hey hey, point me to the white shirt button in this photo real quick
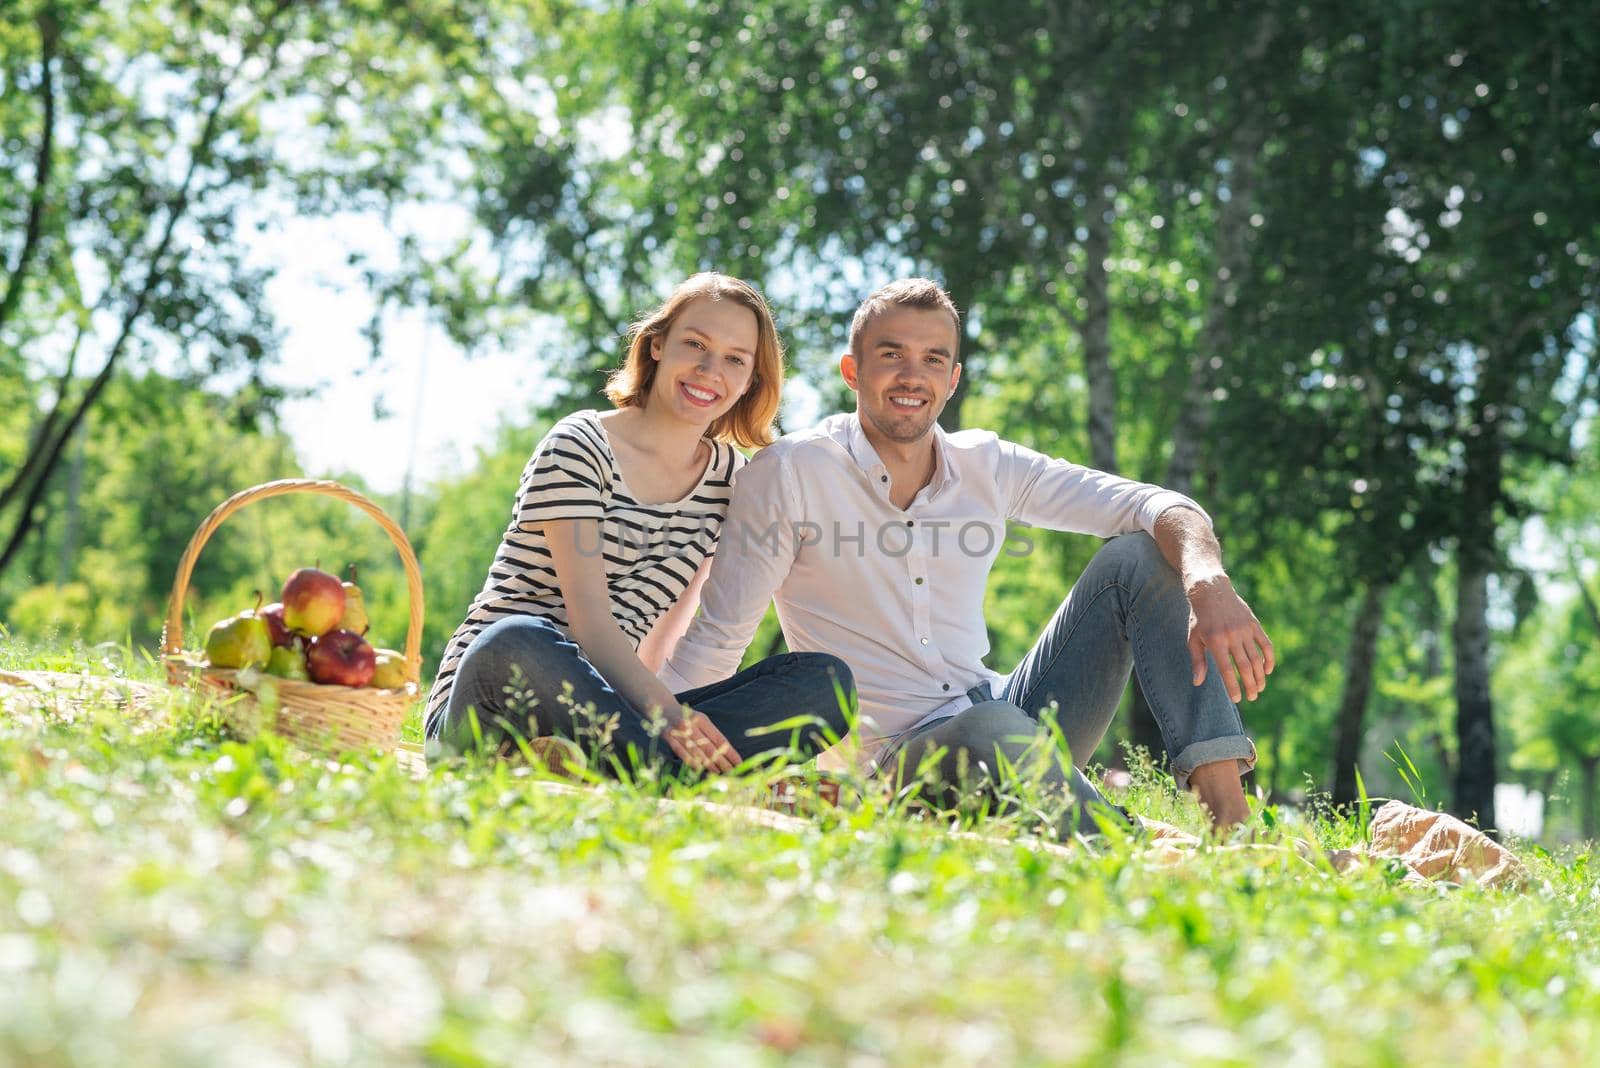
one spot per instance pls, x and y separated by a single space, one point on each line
924 641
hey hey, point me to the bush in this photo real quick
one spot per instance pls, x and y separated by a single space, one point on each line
50 611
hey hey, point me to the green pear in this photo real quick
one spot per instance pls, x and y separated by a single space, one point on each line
355 607
288 662
390 673
243 641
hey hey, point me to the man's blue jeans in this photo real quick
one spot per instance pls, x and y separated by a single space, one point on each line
1127 612
523 677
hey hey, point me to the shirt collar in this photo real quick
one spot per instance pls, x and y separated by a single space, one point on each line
846 429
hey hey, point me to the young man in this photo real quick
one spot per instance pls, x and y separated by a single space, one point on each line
875 533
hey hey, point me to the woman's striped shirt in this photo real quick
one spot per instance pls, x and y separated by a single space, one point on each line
650 552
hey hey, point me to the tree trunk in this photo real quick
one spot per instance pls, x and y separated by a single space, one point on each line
1589 765
1476 558
1094 331
1096 335
1350 729
43 465
1233 263
69 536
37 566
1432 643
43 429
1590 607
16 277
1194 418
51 451
950 417
28 513
1475 761
1276 749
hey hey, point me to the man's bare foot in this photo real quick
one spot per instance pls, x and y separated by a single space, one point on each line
1220 793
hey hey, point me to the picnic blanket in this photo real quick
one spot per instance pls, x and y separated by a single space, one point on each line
1433 847
1438 846
64 692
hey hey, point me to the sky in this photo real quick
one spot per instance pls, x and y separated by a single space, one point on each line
437 404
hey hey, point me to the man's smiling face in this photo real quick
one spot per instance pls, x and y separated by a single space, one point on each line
903 371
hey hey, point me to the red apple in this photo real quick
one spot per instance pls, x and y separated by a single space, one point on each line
341 658
313 601
282 636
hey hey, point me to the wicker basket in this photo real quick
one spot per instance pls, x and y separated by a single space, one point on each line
318 716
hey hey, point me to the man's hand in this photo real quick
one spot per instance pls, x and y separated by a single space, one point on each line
700 745
1223 625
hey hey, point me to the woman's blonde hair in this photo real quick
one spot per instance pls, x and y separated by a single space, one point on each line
749 422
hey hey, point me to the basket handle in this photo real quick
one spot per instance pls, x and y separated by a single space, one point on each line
172 633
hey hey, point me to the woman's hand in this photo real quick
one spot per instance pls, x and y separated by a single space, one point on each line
582 579
700 745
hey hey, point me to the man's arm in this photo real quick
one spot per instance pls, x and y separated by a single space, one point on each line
1042 491
754 553
657 646
1059 495
1219 620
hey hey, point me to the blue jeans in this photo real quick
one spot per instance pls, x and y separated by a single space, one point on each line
523 677
1127 612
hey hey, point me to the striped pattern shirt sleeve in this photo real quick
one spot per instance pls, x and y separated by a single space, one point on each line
568 477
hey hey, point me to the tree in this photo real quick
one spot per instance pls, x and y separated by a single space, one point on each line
1486 149
148 135
1554 680
1318 440
1428 333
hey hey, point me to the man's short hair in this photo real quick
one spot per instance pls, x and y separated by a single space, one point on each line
902 293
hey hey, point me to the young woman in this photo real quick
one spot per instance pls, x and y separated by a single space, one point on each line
600 569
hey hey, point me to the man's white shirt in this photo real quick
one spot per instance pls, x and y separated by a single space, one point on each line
896 593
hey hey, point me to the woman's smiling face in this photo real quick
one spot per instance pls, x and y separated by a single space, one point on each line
706 360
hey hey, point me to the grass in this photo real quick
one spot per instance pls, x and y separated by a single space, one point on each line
169 896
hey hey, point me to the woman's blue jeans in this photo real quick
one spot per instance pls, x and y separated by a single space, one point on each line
1127 612
523 677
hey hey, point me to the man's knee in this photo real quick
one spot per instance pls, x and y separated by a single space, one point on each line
1137 554
1138 548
